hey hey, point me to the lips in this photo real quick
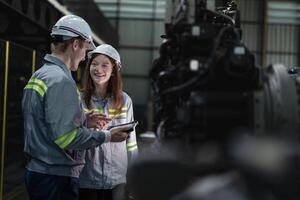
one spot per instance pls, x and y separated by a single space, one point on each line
99 75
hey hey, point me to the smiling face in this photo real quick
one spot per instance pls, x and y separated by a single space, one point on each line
101 69
102 77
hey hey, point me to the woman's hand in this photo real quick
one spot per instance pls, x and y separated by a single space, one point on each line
119 134
96 120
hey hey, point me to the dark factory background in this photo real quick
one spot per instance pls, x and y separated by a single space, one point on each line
270 30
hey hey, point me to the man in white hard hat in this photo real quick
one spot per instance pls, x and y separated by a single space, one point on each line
55 130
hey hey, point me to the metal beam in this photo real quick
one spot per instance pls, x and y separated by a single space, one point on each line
33 19
89 10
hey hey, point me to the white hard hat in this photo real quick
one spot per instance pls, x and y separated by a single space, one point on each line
72 26
109 51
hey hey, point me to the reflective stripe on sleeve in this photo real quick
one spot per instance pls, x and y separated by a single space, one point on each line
39 82
66 139
36 88
131 146
37 85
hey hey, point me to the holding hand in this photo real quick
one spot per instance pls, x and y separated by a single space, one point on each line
119 134
96 120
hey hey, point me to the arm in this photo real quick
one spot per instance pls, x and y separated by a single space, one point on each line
65 119
132 147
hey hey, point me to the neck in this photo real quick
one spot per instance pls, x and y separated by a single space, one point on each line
65 58
101 90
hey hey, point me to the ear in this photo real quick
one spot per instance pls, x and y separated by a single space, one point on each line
75 44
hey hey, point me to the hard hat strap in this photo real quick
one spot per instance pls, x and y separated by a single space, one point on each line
60 38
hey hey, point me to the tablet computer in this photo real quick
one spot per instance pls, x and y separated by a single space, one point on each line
131 125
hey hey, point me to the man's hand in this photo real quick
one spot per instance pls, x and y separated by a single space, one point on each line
96 120
119 134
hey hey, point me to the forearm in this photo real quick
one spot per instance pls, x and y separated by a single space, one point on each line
82 138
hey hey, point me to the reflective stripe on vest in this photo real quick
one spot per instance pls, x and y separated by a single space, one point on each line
124 109
123 114
78 93
95 110
113 112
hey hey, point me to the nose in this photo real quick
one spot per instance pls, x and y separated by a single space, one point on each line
98 69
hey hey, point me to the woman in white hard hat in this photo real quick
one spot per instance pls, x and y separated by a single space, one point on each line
104 174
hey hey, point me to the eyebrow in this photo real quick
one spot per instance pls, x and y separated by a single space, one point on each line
93 62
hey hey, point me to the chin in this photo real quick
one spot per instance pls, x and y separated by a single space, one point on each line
97 82
73 69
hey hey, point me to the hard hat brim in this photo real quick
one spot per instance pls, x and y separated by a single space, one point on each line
92 45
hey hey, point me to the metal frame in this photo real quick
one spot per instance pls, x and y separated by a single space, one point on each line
7 44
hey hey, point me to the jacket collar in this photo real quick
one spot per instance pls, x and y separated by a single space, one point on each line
96 98
56 61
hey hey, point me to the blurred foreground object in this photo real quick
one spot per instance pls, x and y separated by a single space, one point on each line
212 107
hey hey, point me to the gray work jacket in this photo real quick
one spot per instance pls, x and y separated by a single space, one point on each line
54 133
106 165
